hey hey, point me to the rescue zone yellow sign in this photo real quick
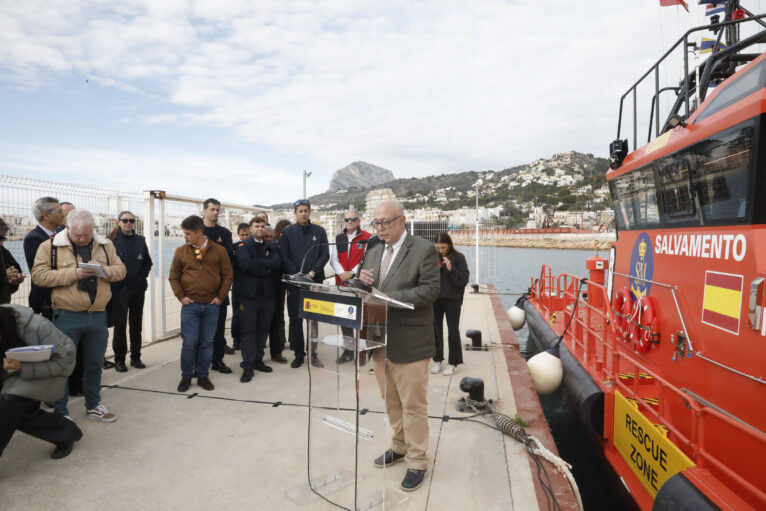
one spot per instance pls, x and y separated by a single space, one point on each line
644 447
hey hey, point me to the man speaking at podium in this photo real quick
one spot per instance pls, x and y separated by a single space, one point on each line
407 269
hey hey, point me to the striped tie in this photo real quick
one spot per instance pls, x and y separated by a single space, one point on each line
385 263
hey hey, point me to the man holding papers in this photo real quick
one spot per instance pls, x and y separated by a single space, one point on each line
79 297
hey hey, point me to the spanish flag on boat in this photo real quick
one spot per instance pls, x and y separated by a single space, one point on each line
722 304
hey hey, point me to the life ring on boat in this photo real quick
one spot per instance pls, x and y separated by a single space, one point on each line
622 306
646 324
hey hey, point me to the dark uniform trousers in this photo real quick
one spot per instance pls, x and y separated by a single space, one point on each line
277 329
25 415
254 322
219 341
130 315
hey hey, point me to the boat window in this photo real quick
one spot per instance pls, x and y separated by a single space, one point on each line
749 82
707 183
635 200
675 188
721 175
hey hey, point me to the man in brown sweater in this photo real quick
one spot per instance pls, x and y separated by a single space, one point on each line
201 276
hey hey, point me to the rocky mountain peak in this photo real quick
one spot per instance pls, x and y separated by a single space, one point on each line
359 175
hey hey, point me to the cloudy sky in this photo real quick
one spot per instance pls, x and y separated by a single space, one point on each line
234 98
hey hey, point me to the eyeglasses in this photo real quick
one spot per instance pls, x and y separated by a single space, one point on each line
56 212
353 219
301 202
2 238
128 220
385 224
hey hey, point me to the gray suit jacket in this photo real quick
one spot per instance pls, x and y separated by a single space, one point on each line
414 278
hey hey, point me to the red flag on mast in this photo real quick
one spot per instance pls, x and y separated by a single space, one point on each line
668 3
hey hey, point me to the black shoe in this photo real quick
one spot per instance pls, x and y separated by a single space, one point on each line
246 376
228 350
388 458
279 359
205 383
120 366
184 385
316 362
413 479
136 362
108 364
295 364
63 450
219 366
346 356
260 366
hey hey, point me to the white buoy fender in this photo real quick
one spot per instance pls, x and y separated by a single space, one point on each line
547 372
517 317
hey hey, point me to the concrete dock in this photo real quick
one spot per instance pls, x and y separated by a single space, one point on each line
245 445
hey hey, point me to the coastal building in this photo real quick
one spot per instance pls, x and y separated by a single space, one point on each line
332 223
374 198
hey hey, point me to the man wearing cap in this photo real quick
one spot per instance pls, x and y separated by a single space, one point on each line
302 240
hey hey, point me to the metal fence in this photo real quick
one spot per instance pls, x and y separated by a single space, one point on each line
165 212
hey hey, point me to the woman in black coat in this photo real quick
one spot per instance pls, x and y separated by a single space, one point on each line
454 277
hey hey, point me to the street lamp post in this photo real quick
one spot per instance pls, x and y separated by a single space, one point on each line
305 175
478 184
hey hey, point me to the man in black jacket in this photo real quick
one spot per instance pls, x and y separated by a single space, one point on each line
298 242
211 208
128 294
49 215
254 288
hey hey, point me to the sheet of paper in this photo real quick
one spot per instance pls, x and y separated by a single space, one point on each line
100 270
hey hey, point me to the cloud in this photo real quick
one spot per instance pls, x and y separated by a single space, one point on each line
192 174
417 87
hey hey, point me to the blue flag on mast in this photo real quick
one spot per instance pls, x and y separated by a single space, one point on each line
714 9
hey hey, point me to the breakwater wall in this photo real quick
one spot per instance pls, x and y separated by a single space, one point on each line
514 238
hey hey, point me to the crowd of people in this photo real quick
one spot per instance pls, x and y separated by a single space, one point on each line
83 283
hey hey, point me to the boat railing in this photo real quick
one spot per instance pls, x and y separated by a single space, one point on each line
595 342
693 83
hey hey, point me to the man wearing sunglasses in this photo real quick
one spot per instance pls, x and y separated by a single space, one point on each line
298 241
346 256
128 294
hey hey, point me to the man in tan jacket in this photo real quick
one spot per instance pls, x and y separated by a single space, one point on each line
79 297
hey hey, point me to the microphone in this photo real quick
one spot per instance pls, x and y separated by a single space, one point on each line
356 282
300 277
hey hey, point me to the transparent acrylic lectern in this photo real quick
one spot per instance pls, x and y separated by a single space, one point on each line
347 426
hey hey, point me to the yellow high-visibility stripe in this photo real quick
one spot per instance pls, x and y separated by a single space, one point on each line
723 301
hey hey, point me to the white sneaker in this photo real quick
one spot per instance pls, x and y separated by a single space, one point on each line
435 367
449 370
100 413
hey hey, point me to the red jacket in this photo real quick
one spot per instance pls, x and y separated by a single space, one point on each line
349 255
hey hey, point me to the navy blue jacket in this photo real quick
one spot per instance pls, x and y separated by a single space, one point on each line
222 236
295 243
135 256
37 295
257 262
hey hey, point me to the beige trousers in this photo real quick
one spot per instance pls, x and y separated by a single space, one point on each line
406 394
